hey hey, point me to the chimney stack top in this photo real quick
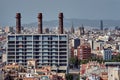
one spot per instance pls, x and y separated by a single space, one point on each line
39 15
60 15
18 15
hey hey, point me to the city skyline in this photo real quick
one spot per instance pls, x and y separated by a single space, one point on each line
82 9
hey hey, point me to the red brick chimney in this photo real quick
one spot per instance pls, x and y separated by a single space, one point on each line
18 23
39 23
60 23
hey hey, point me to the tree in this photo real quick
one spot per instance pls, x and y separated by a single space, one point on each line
8 77
74 62
69 77
78 78
84 61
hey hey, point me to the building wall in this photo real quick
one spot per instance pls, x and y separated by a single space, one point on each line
104 76
0 57
46 30
8 29
75 43
107 54
4 57
91 44
96 45
84 51
47 49
72 52
113 73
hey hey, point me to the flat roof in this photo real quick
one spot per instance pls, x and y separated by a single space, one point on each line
37 34
112 63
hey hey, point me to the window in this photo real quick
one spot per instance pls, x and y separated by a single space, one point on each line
63 38
45 37
28 37
19 38
11 38
55 38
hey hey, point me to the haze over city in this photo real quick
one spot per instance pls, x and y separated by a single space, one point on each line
80 9
59 40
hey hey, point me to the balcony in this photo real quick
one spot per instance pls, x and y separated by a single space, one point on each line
54 43
29 47
20 58
45 62
45 54
45 58
11 44
63 44
54 58
61 54
11 54
45 50
29 54
39 62
37 39
28 50
19 54
28 57
54 62
63 38
37 50
11 38
39 43
39 58
11 51
63 51
62 47
11 59
54 54
63 62
62 58
54 50
54 47
20 62
37 47
45 47
11 47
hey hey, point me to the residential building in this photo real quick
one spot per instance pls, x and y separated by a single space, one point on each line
72 29
81 30
93 77
8 29
98 45
75 43
93 67
104 75
113 70
91 43
107 54
101 25
4 57
46 30
47 49
84 51
72 52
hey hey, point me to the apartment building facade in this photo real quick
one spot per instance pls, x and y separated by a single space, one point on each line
46 49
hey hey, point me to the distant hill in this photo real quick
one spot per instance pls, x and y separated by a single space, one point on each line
77 23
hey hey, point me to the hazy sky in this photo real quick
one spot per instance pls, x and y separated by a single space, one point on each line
82 9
